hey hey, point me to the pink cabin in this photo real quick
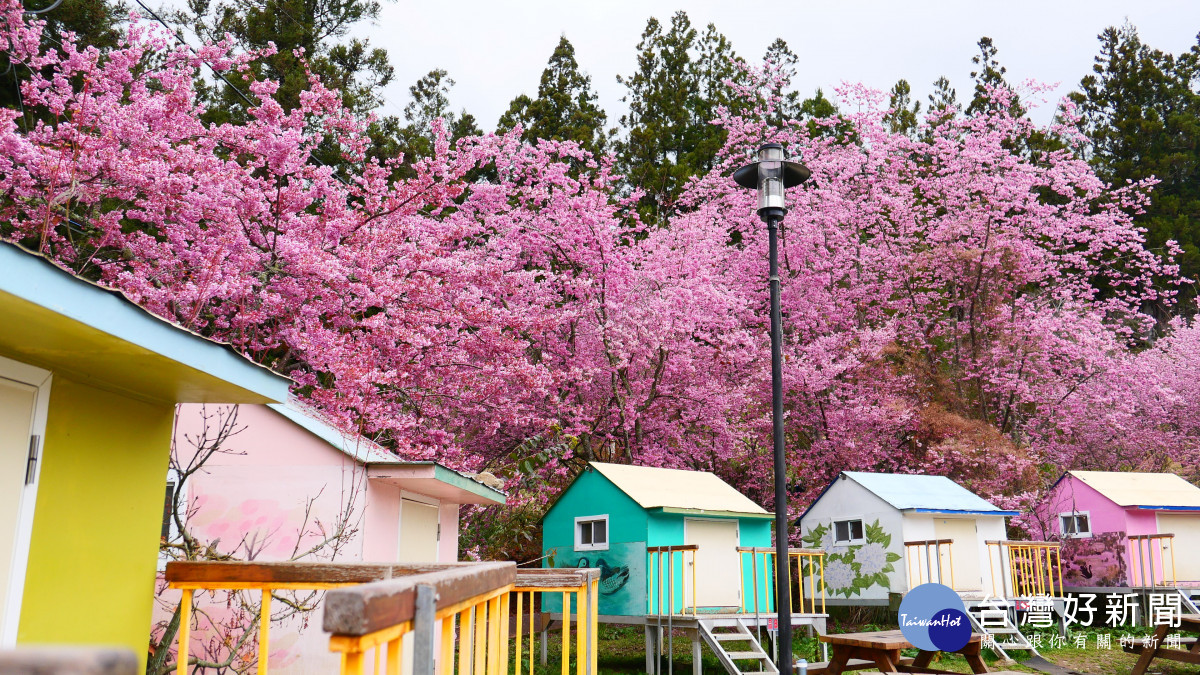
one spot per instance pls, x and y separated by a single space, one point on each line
289 483
1137 530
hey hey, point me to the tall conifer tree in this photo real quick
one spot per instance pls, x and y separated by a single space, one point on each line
565 108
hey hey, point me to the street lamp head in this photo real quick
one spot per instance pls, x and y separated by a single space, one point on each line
771 175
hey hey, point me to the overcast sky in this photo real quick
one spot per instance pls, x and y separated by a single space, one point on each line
497 49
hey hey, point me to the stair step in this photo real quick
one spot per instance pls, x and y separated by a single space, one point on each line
735 637
1001 631
1013 645
747 655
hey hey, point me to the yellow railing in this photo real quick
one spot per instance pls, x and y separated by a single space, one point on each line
1147 570
368 622
810 560
1025 569
661 571
458 608
266 578
938 567
580 585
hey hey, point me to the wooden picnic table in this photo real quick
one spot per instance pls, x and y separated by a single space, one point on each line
881 649
1188 623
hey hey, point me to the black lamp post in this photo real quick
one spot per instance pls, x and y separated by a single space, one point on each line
770 175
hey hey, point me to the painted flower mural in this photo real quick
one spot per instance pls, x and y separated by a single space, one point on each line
872 558
849 570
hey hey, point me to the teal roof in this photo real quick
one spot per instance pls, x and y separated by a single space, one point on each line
932 494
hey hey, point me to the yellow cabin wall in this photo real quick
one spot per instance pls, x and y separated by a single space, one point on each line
96 527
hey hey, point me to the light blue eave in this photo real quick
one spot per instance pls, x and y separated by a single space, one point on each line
108 327
355 446
367 452
928 494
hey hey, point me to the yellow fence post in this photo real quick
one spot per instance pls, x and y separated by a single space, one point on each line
466 647
264 631
393 656
505 606
582 612
447 660
494 646
566 632
595 627
352 663
520 634
479 648
185 632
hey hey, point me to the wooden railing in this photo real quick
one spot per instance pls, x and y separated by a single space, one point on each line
454 608
939 562
661 574
1147 570
369 619
1025 569
810 573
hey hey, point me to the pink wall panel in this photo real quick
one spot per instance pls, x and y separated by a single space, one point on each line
381 523
448 544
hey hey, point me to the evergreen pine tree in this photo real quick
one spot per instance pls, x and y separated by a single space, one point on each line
672 97
430 101
318 29
565 108
903 117
1141 111
989 74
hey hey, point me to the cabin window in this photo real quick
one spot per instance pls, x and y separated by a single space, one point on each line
168 505
1075 524
591 533
848 532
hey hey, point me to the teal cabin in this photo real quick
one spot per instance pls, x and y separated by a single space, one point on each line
649 529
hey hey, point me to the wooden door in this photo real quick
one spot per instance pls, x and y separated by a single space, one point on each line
17 402
1186 528
716 570
418 532
963 561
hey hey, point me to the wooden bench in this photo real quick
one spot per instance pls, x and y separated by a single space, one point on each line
1189 623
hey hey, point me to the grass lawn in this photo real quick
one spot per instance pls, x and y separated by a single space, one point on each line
623 650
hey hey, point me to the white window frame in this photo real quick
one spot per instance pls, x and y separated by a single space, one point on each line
1062 517
579 546
40 379
849 542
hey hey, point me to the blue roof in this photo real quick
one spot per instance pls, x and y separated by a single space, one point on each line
61 322
926 494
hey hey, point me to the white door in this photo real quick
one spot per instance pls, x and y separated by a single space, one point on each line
23 390
418 532
960 569
716 569
1186 529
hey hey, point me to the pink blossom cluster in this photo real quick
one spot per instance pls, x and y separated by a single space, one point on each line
961 300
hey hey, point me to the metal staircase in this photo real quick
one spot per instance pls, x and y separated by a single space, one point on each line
720 634
996 621
1188 597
